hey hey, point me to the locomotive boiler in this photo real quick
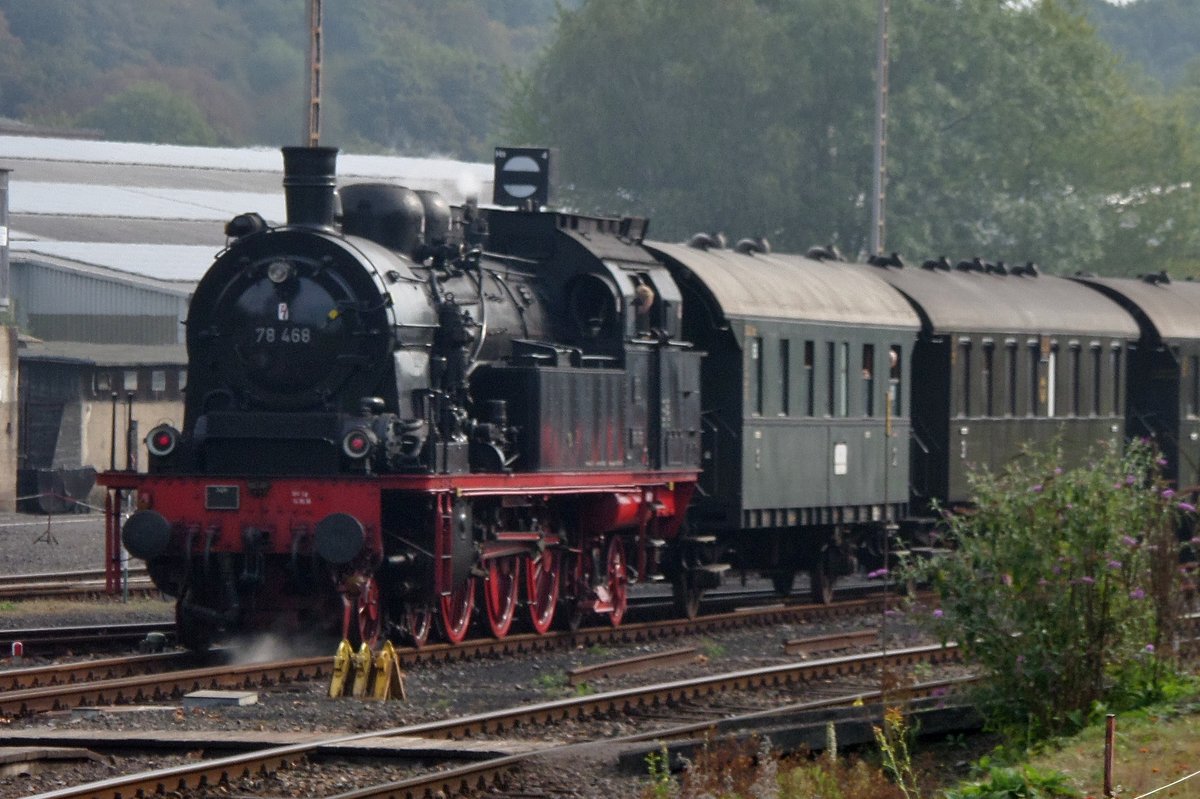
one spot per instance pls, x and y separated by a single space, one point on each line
397 412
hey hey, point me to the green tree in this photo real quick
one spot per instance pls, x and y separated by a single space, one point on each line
756 117
150 112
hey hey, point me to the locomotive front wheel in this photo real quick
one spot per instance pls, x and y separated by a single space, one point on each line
369 610
541 589
500 593
618 580
417 623
456 611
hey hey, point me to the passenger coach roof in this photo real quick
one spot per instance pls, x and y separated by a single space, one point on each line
972 301
771 286
1172 309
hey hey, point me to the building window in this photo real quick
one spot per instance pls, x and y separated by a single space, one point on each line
158 381
1097 395
1116 380
101 381
131 380
182 380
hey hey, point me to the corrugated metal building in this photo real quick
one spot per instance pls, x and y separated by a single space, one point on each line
106 243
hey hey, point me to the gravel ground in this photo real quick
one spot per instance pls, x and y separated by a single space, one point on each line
28 545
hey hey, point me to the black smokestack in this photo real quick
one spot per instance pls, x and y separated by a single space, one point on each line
309 185
3 238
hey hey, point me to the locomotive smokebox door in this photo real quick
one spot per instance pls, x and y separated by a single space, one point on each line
522 177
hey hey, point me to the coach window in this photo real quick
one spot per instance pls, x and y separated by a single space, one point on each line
1097 394
844 380
785 377
895 374
1076 381
989 383
964 370
1051 380
756 357
1034 379
1194 380
1115 357
1010 357
868 374
810 379
831 373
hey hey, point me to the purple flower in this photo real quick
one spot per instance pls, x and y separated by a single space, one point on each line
1161 461
1168 493
1187 507
1114 564
937 613
1150 648
1058 470
1129 541
1130 479
1086 580
877 573
1036 489
1043 582
1137 593
1006 579
1020 659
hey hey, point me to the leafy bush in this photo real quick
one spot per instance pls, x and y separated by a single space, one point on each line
1064 586
1017 783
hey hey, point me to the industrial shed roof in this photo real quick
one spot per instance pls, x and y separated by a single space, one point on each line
1171 309
166 355
791 287
957 300
160 209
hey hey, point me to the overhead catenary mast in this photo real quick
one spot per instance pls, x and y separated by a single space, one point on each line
879 176
312 122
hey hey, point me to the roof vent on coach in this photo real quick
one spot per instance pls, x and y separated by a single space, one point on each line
389 215
707 241
751 246
1161 278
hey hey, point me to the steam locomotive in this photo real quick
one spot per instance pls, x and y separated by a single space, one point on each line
403 416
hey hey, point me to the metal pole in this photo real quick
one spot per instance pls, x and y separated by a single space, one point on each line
879 176
312 122
1110 729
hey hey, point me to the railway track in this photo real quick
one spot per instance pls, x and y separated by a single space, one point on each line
69 584
47 688
180 779
97 637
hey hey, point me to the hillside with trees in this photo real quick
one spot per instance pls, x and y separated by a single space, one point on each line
400 75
